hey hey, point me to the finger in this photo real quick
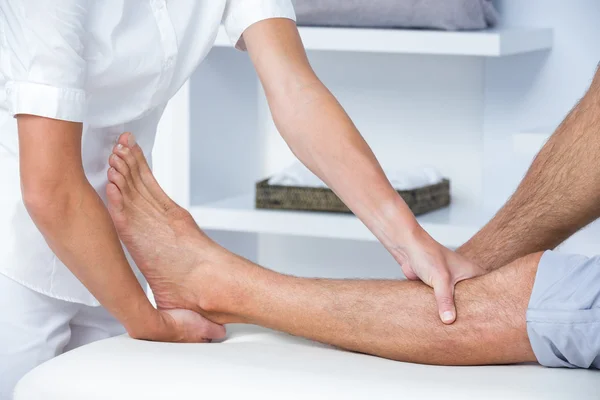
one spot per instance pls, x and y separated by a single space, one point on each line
444 297
195 327
462 268
471 270
209 330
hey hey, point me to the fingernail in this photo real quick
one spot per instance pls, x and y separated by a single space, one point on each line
119 146
131 140
447 316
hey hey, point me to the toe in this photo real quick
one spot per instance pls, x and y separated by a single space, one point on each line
149 180
123 149
115 198
120 165
127 145
127 139
141 174
140 158
127 164
118 180
126 155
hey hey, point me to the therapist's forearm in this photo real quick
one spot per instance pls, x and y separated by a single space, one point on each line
75 222
78 228
323 137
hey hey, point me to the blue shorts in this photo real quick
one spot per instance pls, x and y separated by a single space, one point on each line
563 317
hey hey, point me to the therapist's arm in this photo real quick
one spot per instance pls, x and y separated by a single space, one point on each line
557 197
322 136
77 227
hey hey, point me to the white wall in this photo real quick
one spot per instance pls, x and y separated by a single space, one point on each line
537 90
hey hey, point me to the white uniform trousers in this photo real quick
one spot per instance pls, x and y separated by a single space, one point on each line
35 328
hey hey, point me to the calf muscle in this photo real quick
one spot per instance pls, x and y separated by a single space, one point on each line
398 319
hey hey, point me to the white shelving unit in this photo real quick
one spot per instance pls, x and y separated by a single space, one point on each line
451 226
413 99
486 43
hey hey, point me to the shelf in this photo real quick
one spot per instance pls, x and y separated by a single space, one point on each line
486 43
451 226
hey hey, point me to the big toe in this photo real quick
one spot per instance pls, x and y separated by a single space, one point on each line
127 139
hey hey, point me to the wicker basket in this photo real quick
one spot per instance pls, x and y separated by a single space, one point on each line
274 197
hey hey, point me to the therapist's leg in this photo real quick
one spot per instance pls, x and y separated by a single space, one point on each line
33 328
392 319
91 324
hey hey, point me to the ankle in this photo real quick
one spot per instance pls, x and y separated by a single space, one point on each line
216 287
228 282
205 289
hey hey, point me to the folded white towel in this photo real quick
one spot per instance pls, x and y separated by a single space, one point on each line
298 175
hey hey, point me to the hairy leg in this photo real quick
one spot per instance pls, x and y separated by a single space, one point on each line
391 319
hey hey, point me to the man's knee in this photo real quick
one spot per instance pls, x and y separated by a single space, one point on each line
491 326
504 290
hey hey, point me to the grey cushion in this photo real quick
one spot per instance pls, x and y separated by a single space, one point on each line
430 14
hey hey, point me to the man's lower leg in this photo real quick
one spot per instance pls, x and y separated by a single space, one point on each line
391 319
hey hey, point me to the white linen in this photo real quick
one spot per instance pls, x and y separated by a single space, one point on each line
256 363
298 175
111 64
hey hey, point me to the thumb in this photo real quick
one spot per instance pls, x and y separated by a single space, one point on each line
444 297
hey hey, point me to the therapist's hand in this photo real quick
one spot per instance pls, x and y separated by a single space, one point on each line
422 258
181 326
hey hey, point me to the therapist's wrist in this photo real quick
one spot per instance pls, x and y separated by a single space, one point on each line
400 233
408 242
396 226
141 320
156 326
176 325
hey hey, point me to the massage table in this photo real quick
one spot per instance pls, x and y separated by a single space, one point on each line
254 362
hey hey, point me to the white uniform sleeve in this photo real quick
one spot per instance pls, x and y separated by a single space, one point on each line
240 14
45 42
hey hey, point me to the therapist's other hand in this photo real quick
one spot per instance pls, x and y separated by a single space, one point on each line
422 258
181 326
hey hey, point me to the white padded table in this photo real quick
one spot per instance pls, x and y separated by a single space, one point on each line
258 363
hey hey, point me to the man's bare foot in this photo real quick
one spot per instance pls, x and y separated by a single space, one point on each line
162 237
